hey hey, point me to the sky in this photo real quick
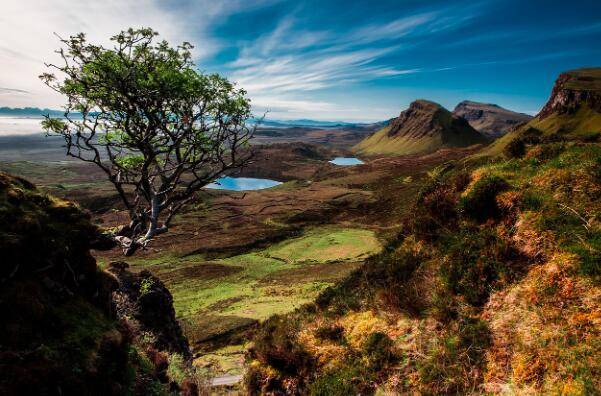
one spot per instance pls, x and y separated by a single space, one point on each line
327 59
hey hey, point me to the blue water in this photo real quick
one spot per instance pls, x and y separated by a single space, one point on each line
242 183
346 161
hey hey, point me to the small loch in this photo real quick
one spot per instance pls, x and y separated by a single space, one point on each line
346 161
242 183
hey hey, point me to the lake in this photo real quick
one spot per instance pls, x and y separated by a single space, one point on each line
242 183
346 161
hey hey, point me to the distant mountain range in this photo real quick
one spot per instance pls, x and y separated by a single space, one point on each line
306 123
311 124
29 112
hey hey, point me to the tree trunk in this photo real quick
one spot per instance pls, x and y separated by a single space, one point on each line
154 218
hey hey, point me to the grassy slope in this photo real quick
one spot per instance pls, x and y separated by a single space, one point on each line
584 122
380 143
494 286
217 296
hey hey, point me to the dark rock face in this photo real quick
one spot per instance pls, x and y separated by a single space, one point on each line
58 334
572 90
489 119
144 301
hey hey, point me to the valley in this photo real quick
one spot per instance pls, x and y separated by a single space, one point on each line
234 258
372 255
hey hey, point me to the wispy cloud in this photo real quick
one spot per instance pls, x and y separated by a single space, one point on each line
5 90
291 60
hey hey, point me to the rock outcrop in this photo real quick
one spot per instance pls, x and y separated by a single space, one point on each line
64 330
144 302
572 90
490 119
424 127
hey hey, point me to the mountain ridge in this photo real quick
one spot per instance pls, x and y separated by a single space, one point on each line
424 127
489 119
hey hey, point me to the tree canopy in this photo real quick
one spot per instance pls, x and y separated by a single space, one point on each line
157 127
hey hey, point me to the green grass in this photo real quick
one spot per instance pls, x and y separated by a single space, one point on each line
323 246
213 296
381 143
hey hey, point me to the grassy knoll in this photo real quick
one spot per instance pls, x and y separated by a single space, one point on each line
214 298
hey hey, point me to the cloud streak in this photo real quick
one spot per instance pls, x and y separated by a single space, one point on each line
290 61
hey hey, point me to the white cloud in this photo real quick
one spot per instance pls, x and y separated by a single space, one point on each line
27 27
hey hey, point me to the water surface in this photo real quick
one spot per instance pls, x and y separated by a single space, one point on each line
346 161
242 183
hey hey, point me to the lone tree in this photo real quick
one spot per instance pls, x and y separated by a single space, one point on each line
159 129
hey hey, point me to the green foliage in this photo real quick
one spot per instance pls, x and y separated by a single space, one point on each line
377 348
475 261
130 161
342 382
177 368
480 201
148 118
146 285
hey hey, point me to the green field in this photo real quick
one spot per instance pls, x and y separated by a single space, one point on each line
215 297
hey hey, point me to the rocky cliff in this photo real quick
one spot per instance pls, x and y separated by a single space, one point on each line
69 328
489 119
424 127
574 90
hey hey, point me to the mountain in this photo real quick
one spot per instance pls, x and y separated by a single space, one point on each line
424 127
573 108
489 119
29 112
305 123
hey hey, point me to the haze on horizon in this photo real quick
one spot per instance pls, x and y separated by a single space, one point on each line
327 60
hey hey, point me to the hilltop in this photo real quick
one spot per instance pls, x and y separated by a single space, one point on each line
574 108
489 119
424 127
492 286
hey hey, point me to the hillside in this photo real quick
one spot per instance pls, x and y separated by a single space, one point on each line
423 128
69 328
493 286
489 119
574 108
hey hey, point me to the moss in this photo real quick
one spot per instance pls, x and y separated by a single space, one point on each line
377 348
479 202
475 262
342 382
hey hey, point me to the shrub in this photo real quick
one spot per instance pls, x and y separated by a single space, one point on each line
516 148
275 345
330 333
377 348
342 382
480 201
452 363
475 262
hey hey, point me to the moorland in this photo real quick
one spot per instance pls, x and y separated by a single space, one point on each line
429 268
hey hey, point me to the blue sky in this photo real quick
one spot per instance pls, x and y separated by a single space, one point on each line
334 60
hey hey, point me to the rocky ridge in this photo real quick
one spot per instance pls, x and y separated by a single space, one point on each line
489 119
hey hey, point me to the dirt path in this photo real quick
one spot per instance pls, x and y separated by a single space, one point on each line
226 380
